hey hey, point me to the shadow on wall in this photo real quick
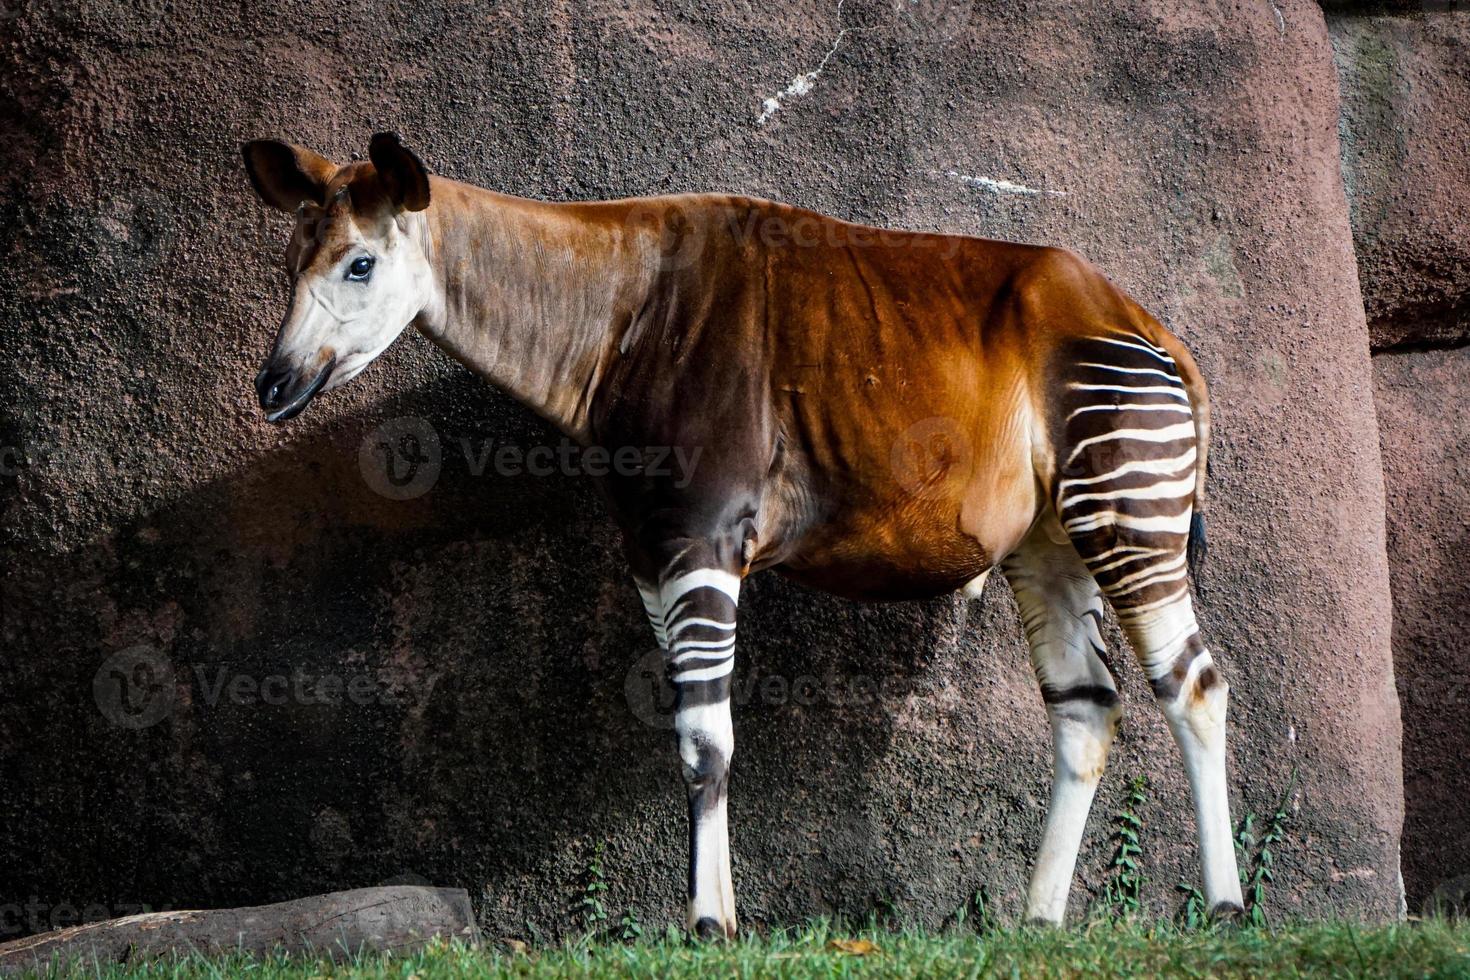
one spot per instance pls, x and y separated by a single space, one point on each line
287 682
1426 459
1434 689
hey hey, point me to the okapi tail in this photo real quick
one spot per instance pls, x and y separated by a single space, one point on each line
1199 403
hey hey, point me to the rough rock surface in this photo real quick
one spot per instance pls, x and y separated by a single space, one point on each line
1426 462
169 555
1405 132
1405 87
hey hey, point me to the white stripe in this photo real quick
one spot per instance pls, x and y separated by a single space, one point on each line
1126 408
1138 554
1168 433
1143 345
701 648
684 624
1120 548
1157 467
705 673
1128 370
1117 592
1133 614
675 588
1179 524
1130 389
1154 491
1173 564
655 613
684 658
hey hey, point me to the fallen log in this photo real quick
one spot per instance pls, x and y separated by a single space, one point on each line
400 918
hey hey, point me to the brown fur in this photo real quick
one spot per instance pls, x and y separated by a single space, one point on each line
873 406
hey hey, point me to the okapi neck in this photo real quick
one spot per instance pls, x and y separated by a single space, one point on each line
529 294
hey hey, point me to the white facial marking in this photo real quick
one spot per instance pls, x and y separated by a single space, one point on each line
354 319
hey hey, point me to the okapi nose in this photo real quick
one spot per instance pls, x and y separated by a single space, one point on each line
271 384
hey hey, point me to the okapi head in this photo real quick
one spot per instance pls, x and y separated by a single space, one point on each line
358 277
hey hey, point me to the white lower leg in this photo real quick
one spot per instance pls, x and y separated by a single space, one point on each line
1081 736
712 896
1061 609
695 611
706 742
1193 697
1196 716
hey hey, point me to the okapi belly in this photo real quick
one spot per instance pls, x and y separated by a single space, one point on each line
853 571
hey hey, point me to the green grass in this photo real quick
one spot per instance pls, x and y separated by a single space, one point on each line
1427 949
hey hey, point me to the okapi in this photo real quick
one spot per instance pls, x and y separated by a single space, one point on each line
882 415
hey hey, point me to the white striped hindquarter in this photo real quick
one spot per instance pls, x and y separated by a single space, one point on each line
1125 434
1125 493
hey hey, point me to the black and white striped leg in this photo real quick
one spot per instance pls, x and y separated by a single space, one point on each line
693 615
1061 608
1194 697
1126 494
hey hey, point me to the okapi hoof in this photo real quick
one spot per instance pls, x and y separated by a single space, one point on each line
708 929
1227 914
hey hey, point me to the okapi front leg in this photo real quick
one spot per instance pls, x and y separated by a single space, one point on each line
695 622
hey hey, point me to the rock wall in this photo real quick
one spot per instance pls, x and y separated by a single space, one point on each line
240 669
1426 460
1405 129
1405 81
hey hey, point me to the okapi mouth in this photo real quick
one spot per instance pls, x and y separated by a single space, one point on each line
298 404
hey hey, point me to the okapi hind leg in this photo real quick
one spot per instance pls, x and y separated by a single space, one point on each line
1061 610
1129 475
1193 696
693 611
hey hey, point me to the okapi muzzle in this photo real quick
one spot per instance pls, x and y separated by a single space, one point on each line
879 414
285 391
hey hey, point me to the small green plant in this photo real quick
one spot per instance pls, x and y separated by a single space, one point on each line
630 930
1122 894
1192 914
977 912
1258 857
591 906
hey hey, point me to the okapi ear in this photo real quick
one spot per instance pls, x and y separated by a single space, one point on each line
403 174
285 175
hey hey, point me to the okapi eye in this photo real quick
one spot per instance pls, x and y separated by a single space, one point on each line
360 268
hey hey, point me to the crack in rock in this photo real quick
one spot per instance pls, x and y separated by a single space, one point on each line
997 186
802 84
